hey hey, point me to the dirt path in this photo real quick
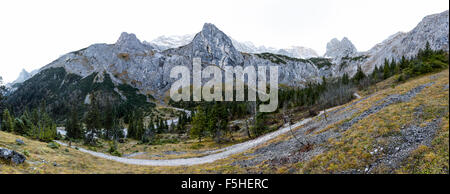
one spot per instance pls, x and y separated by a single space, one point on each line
214 155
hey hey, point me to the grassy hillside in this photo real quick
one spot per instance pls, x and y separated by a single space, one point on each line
388 130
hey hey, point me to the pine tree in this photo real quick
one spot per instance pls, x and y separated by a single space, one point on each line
374 74
28 124
427 52
386 70
117 131
108 120
136 128
7 121
131 126
45 127
151 126
359 75
2 100
393 66
397 69
345 79
139 129
160 126
73 126
199 124
93 123
403 63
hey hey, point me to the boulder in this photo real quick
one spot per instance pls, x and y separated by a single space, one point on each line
11 156
20 142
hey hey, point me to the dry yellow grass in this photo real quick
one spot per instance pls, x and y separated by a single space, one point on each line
185 148
352 150
70 161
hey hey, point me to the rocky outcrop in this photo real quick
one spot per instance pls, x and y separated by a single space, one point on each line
11 156
23 76
212 46
129 43
339 49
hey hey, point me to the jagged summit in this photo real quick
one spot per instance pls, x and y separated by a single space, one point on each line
339 49
23 76
127 38
213 46
213 42
212 35
209 27
129 41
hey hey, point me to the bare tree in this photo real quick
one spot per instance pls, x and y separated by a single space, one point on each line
252 108
287 121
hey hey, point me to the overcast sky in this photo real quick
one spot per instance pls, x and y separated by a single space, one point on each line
34 33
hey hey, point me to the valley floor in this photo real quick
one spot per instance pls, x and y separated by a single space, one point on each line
392 128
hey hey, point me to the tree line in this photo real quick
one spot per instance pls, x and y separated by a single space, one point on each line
36 124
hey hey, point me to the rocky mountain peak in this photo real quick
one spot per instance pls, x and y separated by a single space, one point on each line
127 38
339 49
129 41
24 75
213 47
209 27
23 72
211 35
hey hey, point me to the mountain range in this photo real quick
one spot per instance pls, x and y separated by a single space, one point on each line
129 64
167 42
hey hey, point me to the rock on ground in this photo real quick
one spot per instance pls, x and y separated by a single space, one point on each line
20 142
11 156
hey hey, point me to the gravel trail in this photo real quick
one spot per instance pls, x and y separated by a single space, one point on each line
228 151
241 147
307 144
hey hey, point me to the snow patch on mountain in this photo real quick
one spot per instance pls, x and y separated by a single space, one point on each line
166 42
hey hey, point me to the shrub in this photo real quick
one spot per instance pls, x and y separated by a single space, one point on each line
197 146
53 145
113 149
